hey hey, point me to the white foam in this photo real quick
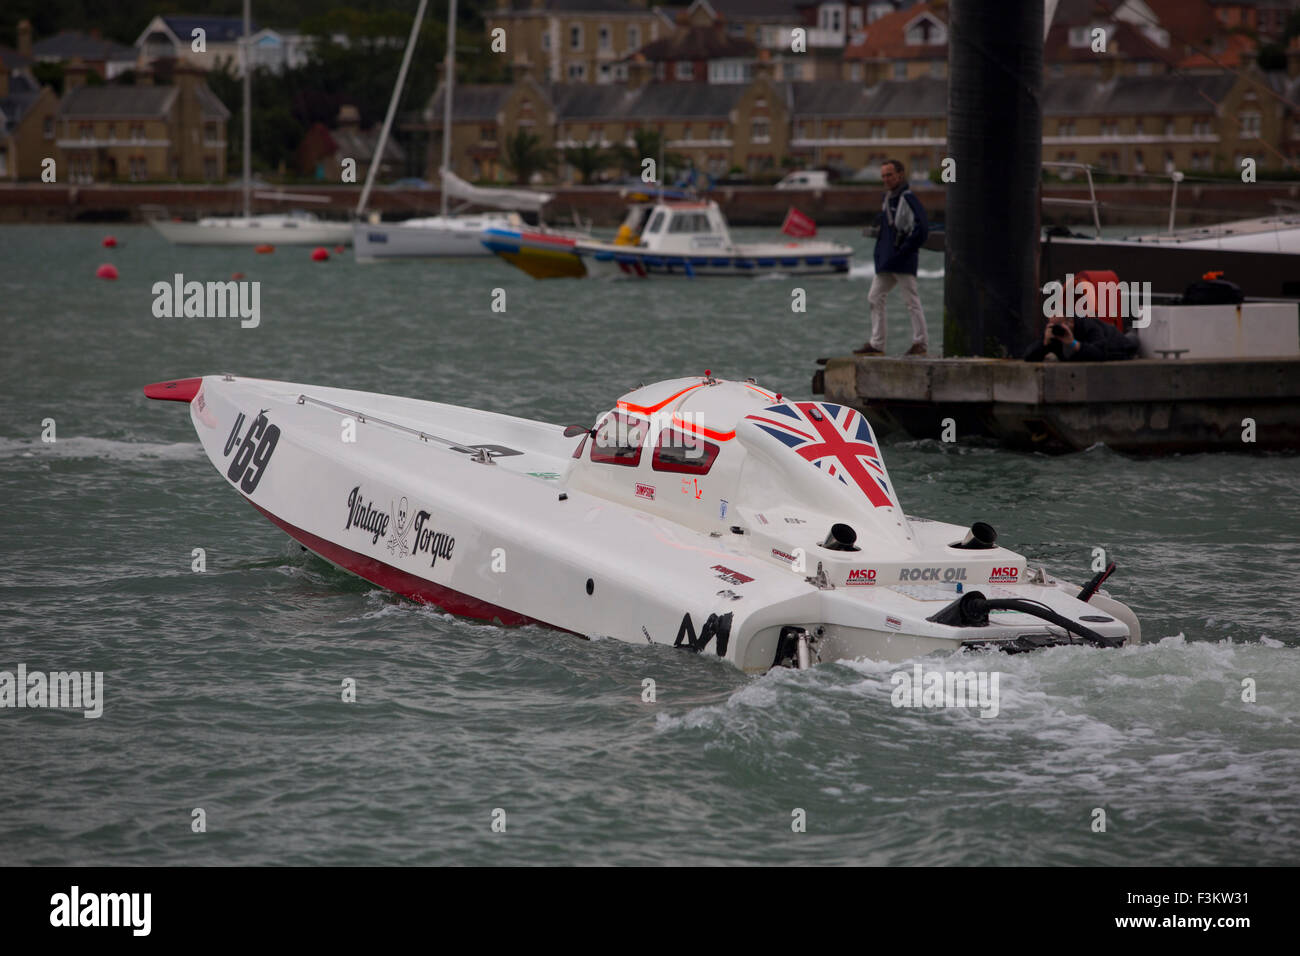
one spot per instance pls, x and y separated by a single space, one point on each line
82 446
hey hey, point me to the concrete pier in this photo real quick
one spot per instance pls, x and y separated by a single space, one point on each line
1143 406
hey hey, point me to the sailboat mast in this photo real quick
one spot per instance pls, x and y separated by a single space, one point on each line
449 82
248 115
376 160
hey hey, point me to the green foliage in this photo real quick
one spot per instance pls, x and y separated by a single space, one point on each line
587 160
525 155
49 74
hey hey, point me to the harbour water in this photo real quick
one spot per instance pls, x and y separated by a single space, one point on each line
222 688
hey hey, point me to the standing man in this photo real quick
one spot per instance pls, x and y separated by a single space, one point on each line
902 231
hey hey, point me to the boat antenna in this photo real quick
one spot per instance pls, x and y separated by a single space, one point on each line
248 115
449 82
377 158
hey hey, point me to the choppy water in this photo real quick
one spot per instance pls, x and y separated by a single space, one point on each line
223 688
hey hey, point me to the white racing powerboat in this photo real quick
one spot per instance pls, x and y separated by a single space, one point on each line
699 513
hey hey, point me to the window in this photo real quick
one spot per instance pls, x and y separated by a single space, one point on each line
577 71
686 131
137 132
595 133
87 130
877 130
900 71
684 453
633 38
1250 125
1065 128
1138 163
1169 127
689 222
487 134
546 40
575 37
834 129
209 168
685 70
1169 162
760 131
656 223
1144 68
717 131
619 439
49 127
604 39
920 130
855 72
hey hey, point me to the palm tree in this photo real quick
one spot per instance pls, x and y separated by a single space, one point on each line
586 160
525 155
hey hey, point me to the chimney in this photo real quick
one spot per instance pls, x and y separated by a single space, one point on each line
349 118
25 37
638 72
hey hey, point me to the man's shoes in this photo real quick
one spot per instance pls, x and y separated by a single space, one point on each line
867 350
1051 357
916 349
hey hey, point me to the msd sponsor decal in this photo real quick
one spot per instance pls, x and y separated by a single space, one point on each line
1004 576
732 577
861 576
781 555
645 491
893 622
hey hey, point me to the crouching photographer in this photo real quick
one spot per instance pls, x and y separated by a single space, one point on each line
1081 339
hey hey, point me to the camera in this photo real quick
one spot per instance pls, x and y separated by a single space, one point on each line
1061 332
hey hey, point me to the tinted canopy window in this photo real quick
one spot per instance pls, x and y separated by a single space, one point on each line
684 452
619 440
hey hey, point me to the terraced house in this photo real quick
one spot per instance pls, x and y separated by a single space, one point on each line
175 131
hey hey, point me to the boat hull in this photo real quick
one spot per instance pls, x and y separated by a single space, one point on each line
608 259
453 240
218 233
469 511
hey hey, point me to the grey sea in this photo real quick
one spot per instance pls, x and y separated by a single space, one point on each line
222 689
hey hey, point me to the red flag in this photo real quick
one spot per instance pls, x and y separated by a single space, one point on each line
798 225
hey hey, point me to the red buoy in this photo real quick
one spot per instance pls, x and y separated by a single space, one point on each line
319 254
110 242
264 248
106 271
339 249
236 275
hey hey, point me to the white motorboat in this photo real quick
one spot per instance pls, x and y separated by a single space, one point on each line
672 238
697 513
276 229
428 237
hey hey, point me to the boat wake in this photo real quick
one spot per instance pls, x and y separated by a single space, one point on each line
82 447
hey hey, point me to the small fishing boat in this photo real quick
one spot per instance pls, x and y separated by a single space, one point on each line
684 238
704 514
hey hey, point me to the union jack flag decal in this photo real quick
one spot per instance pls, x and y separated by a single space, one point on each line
834 438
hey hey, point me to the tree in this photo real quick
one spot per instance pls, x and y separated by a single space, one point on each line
525 155
587 160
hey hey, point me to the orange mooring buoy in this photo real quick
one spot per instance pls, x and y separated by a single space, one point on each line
109 242
319 254
264 248
339 249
